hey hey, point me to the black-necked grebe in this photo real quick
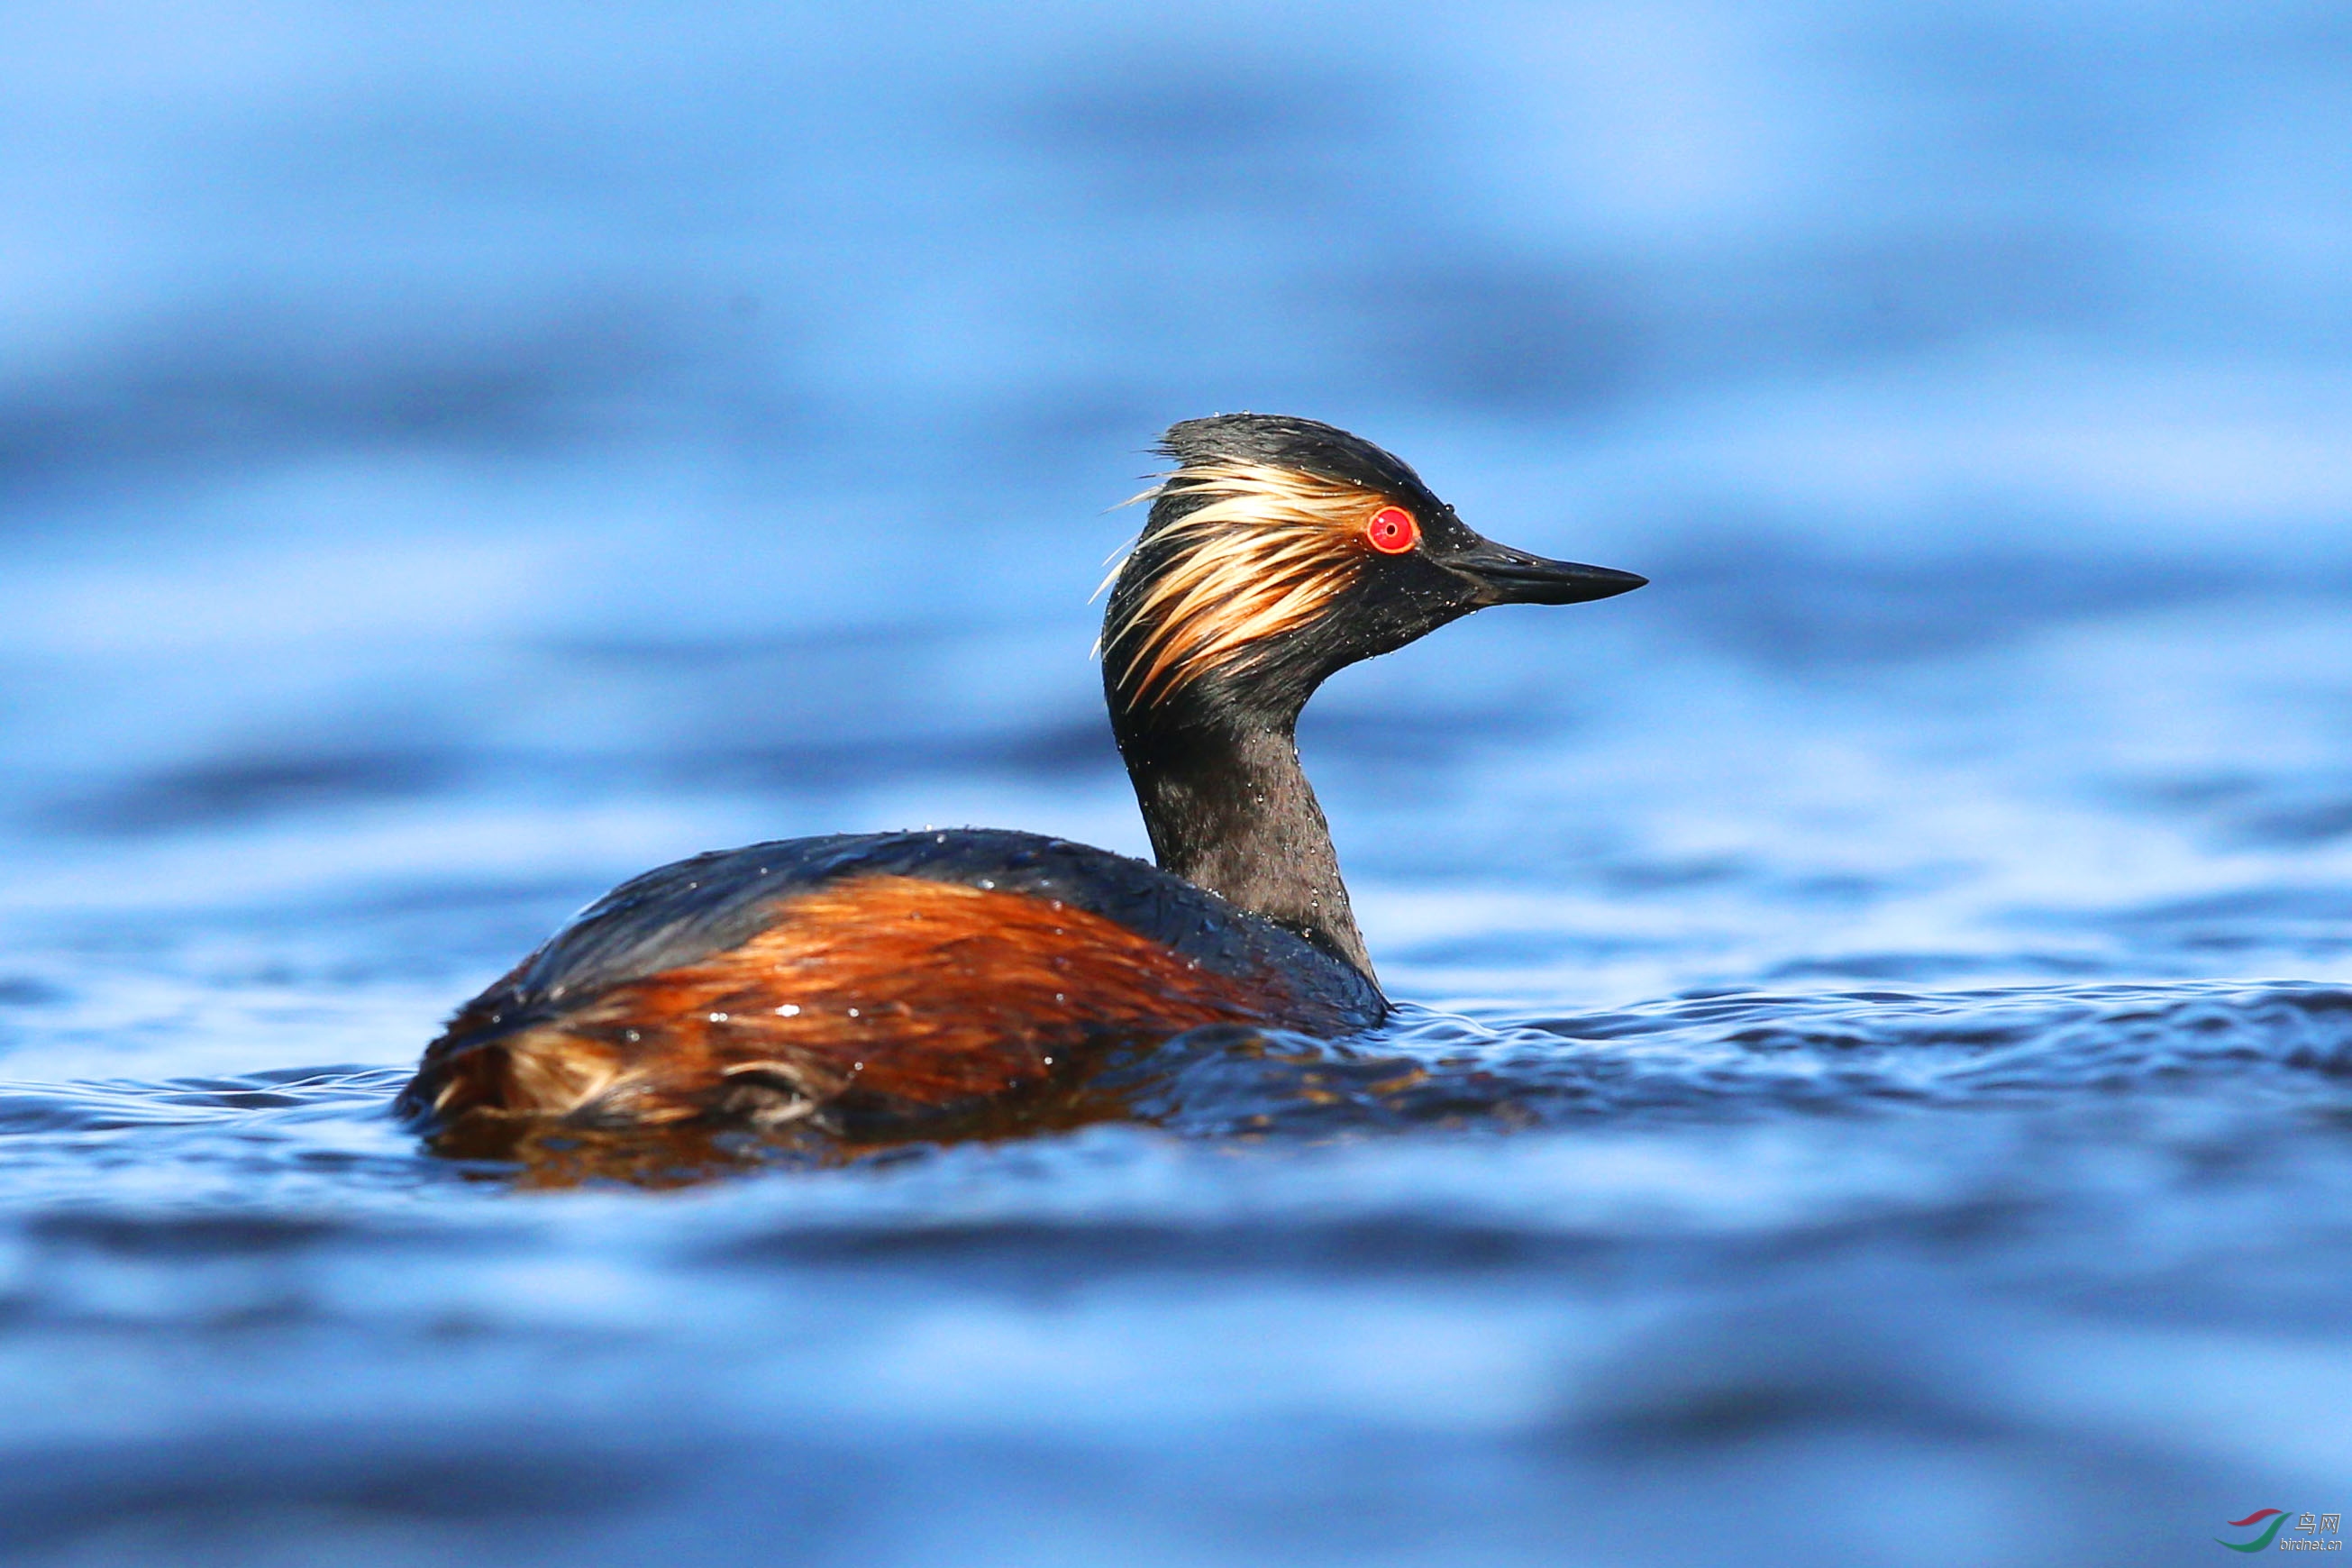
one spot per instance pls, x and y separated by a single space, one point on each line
837 981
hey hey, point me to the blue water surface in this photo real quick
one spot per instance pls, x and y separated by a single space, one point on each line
1876 1079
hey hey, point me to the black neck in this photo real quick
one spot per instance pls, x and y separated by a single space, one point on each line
1229 809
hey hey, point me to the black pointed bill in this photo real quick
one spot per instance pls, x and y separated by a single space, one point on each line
1508 576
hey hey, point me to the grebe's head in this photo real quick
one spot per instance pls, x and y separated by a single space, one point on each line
1280 550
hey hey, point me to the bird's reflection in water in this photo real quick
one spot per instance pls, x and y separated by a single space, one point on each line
532 1155
1224 1081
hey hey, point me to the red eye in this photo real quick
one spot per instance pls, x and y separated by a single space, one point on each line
1392 530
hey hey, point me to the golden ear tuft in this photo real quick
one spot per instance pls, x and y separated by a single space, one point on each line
1263 553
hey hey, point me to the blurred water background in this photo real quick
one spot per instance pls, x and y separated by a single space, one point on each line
1880 1082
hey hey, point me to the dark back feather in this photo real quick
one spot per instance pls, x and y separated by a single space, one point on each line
687 910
